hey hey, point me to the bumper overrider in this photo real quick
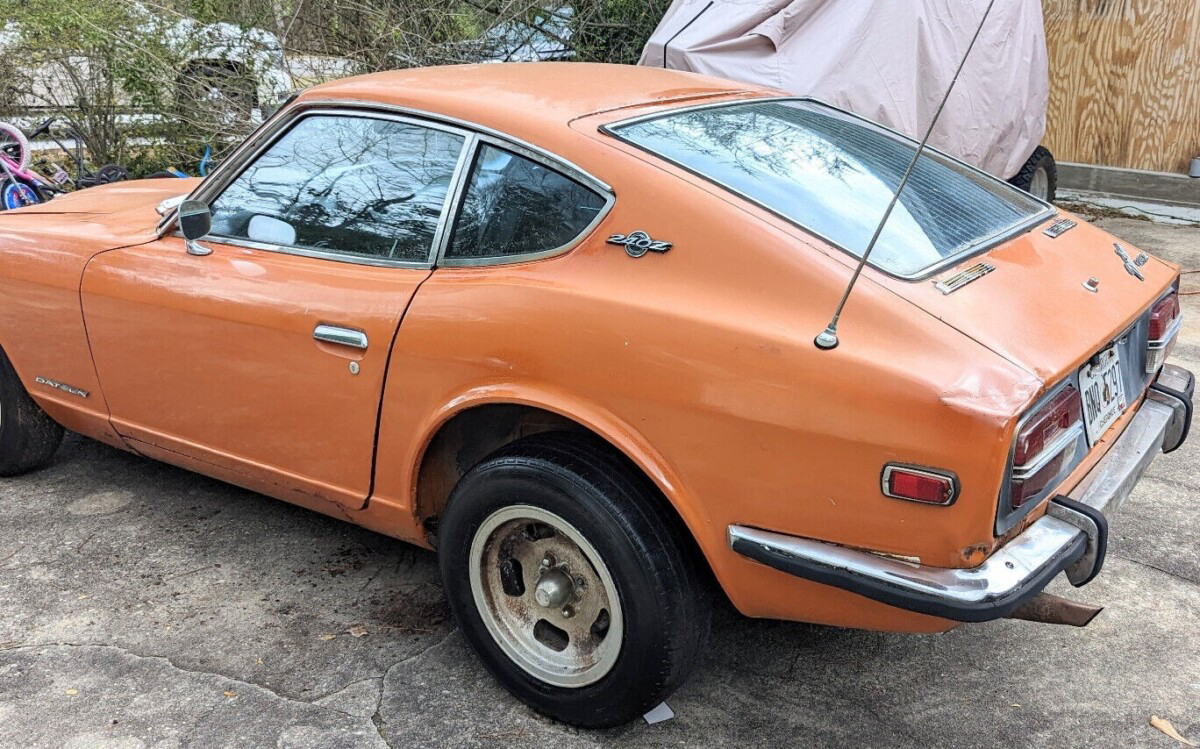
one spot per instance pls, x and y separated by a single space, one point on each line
1072 536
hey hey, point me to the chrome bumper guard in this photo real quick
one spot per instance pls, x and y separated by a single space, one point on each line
1071 537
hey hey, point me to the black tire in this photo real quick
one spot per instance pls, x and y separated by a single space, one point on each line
28 437
110 173
664 598
1040 160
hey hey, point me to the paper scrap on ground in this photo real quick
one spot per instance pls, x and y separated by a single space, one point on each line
659 714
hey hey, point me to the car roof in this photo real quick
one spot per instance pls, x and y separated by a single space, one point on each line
534 100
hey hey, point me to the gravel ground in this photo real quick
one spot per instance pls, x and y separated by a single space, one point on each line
144 606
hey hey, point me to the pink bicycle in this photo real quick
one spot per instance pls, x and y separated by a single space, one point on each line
21 185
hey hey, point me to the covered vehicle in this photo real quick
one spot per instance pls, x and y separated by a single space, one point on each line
556 321
889 62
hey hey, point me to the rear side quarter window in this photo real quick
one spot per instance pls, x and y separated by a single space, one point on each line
518 209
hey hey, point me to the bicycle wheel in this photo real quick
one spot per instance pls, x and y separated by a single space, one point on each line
17 195
15 145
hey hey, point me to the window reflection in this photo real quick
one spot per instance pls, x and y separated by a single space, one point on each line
834 175
515 206
351 185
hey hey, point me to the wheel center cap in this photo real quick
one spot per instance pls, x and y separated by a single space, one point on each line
553 590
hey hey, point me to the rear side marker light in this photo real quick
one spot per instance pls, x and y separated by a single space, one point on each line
917 484
1165 319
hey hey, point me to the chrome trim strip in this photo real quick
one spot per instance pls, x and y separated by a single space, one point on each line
983 245
338 257
340 336
454 197
1000 575
1172 331
1049 453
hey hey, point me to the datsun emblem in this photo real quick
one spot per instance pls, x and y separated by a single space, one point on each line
1130 264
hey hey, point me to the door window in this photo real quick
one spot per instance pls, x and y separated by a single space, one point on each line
357 186
515 206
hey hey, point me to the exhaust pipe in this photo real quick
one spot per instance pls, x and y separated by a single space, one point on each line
1048 608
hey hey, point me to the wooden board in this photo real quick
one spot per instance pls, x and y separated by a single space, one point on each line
1124 82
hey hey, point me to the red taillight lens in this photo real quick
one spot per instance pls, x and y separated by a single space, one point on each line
1164 312
1026 489
901 482
1058 415
1035 469
1162 315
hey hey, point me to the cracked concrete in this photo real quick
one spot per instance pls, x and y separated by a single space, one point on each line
146 607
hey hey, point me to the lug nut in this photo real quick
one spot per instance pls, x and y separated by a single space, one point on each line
548 560
580 582
568 612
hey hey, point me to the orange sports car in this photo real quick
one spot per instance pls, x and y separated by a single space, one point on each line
556 321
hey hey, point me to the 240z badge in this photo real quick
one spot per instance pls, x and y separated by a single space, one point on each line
638 243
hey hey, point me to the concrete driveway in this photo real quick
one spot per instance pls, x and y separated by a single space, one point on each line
143 606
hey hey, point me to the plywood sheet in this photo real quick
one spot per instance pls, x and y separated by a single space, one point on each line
1124 82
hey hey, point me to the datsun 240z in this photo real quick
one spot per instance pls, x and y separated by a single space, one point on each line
556 321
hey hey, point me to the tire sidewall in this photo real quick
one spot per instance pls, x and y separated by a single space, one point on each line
615 697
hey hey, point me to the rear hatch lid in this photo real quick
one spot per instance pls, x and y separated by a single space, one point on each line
1037 308
833 174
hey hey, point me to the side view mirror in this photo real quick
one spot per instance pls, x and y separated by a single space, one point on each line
195 220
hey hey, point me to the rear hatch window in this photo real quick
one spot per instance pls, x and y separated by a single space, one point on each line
833 174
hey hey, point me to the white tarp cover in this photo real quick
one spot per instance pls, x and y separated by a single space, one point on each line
887 60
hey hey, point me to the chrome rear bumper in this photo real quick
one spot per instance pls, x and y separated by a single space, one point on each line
1072 536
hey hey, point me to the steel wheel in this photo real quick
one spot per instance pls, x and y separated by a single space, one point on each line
546 596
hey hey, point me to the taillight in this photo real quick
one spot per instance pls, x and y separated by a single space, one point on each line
1162 315
1047 446
1164 324
1054 418
919 484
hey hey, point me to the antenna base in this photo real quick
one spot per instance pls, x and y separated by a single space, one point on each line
827 339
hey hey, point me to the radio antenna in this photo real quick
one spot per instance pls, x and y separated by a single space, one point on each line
829 338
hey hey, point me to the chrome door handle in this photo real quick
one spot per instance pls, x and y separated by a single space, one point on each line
340 336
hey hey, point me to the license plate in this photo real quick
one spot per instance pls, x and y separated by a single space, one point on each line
1103 392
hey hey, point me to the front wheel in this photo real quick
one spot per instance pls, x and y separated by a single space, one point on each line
572 581
28 437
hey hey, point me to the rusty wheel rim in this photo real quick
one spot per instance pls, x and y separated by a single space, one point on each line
546 596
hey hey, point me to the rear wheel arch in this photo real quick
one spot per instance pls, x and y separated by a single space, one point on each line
469 434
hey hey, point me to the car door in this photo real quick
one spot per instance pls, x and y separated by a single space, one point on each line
266 358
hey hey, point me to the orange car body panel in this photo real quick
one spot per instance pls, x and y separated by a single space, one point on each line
222 365
697 363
